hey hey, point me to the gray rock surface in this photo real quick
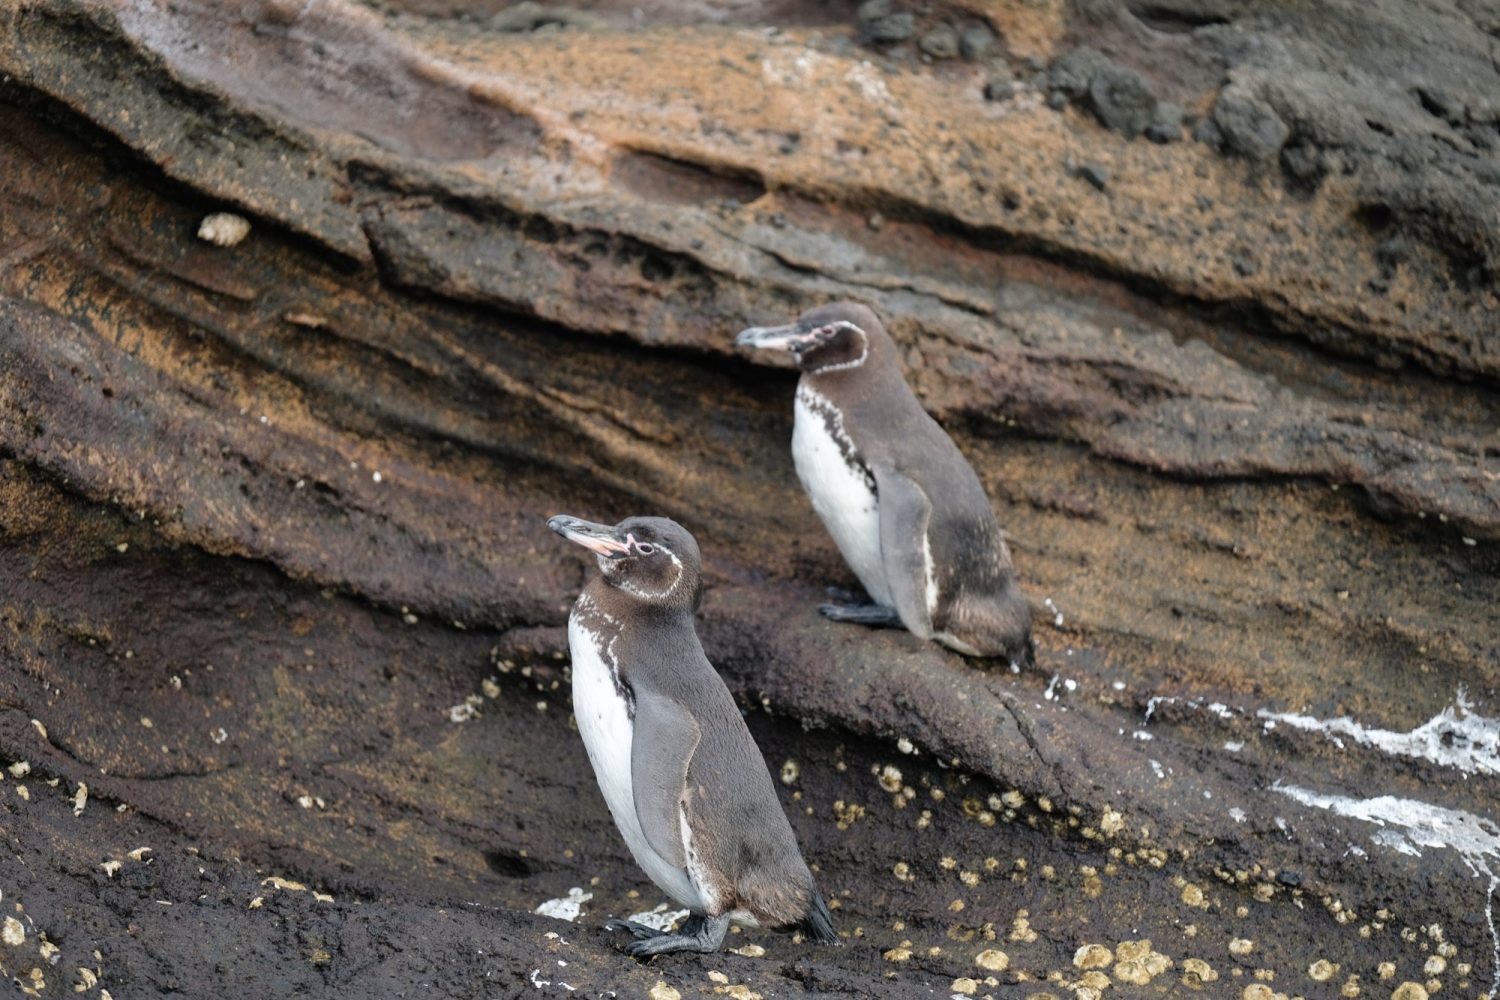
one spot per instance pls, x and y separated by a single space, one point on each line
273 570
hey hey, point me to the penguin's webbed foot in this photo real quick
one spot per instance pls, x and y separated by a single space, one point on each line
640 931
701 934
692 926
875 615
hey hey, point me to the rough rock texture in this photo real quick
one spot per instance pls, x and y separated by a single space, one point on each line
275 585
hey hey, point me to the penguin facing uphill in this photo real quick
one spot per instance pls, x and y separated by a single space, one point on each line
901 502
681 775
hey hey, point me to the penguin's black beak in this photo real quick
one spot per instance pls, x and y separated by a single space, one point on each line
602 539
776 338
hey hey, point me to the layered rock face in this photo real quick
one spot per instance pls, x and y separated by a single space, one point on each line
311 313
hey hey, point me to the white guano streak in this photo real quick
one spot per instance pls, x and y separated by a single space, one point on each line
1456 737
566 908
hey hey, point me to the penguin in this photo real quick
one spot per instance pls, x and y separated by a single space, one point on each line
901 502
680 772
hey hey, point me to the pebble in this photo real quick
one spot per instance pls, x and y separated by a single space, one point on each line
1121 99
975 42
1161 133
940 42
1166 123
892 29
999 88
1073 73
1207 133
1094 174
223 229
1248 125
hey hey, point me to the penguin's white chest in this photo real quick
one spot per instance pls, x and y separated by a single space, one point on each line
841 489
604 722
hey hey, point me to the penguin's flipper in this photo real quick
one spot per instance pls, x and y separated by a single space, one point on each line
666 735
905 513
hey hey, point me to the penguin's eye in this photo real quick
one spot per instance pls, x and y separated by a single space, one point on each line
645 548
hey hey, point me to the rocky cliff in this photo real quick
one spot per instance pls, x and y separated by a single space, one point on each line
1206 290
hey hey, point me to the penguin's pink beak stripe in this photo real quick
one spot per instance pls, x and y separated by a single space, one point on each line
598 538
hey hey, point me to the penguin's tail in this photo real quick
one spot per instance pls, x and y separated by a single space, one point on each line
818 924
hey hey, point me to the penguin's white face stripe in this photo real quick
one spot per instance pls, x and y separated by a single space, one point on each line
864 341
642 592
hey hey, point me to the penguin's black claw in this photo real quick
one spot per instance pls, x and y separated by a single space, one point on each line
640 931
645 948
874 615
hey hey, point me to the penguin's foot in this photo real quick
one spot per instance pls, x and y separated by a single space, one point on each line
691 926
706 935
640 931
876 615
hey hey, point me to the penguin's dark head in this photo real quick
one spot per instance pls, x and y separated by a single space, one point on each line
653 559
842 337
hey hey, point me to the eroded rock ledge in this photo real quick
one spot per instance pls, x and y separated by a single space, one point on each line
272 512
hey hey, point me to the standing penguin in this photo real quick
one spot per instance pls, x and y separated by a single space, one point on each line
679 770
902 504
